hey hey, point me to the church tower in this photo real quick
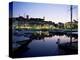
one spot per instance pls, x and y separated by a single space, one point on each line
27 17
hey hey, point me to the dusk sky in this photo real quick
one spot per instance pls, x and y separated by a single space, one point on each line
52 12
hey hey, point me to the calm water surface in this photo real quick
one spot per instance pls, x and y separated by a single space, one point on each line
43 46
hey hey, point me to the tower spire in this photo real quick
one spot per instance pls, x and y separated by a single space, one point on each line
44 17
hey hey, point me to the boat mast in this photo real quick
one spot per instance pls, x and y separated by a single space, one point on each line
71 24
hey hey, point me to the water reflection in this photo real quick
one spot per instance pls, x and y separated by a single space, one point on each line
41 43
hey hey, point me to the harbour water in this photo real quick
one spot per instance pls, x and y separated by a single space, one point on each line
40 44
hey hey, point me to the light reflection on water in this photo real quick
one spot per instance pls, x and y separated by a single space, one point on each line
42 47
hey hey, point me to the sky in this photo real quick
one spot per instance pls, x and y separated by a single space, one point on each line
52 12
